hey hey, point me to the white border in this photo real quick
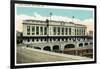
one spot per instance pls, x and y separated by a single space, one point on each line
55 7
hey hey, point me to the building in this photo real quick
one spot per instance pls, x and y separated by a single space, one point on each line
54 35
90 33
19 39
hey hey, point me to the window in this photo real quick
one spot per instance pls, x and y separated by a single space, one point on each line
33 40
37 30
45 30
54 30
58 39
66 39
45 39
75 31
41 39
62 31
66 31
28 30
80 32
54 39
41 30
63 39
33 30
37 39
84 32
58 30
86 44
50 39
69 31
28 40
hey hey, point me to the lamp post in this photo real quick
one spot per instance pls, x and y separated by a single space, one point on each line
75 28
48 21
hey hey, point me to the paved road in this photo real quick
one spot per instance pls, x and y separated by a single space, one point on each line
25 55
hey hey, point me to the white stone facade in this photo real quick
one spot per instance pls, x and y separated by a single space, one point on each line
55 28
52 34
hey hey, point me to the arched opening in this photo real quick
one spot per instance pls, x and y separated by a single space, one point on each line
55 48
47 48
37 47
91 44
68 49
69 46
81 45
27 45
86 44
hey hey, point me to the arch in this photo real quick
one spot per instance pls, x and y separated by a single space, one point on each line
91 43
86 44
47 48
56 47
27 45
69 46
81 45
37 47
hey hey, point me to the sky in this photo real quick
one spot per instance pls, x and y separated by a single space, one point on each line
81 15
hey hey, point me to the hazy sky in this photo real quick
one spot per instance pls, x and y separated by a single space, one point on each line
77 13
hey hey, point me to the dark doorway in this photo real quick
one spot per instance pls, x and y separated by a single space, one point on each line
37 47
81 45
47 48
55 47
86 44
70 46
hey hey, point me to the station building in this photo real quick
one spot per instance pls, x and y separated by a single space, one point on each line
50 35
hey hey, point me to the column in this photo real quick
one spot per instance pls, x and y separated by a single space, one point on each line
35 30
68 31
60 30
48 30
51 48
77 45
30 30
42 48
84 44
43 30
39 30
88 43
64 31
56 30
73 31
30 41
61 47
51 30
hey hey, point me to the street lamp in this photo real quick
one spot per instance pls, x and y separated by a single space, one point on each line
48 21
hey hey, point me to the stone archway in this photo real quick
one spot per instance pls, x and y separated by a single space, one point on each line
47 48
86 44
81 45
56 48
91 43
68 49
69 46
37 47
